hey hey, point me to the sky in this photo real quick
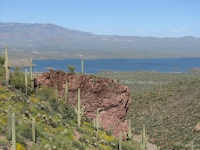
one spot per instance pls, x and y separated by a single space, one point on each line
146 18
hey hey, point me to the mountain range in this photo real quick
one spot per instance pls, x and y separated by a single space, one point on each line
49 41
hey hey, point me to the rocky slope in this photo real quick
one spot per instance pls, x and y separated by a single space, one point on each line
111 98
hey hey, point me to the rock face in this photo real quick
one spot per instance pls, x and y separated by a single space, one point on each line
111 98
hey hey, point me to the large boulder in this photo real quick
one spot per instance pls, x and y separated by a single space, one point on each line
111 98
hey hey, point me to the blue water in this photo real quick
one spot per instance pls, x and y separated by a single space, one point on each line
94 66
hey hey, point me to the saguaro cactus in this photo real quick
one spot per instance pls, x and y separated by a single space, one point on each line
82 67
31 71
144 140
66 91
56 93
31 67
78 109
33 130
158 148
120 140
26 81
13 132
9 121
130 135
192 145
7 65
97 124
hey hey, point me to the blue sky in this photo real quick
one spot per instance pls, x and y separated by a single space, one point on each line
156 18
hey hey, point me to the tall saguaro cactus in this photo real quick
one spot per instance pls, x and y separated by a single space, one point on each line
82 67
144 140
13 132
130 135
120 140
56 93
7 65
192 145
26 80
31 67
31 71
66 91
9 121
78 109
33 130
97 124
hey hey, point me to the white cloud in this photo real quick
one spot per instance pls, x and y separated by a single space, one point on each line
184 28
174 30
141 31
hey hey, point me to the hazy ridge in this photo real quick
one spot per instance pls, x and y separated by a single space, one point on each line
51 41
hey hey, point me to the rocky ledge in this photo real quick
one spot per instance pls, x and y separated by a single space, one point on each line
111 98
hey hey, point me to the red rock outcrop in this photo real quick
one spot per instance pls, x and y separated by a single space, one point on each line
111 98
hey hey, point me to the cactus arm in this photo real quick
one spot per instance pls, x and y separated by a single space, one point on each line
13 132
9 121
33 130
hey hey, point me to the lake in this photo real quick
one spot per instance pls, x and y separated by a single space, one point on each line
125 65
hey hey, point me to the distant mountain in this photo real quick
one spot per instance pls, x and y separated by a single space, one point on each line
52 41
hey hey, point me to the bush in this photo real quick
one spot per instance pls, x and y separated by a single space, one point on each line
77 145
71 69
18 81
46 93
2 59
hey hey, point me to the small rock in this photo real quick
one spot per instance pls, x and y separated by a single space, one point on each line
197 127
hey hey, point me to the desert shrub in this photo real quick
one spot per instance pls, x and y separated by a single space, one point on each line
19 147
2 59
68 112
78 145
46 93
2 69
3 142
18 82
25 130
71 69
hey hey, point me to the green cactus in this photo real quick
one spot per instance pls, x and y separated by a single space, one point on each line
56 93
13 132
31 67
82 67
97 124
9 121
192 145
129 136
7 66
158 148
120 140
33 81
66 91
144 139
78 109
31 71
26 80
33 130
